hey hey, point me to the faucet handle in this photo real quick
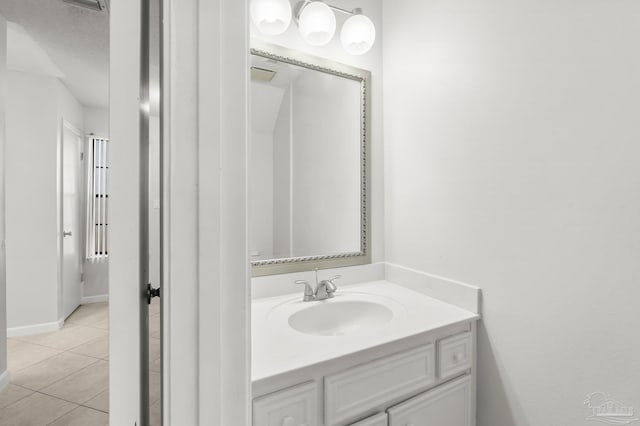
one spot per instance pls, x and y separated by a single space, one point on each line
331 286
308 290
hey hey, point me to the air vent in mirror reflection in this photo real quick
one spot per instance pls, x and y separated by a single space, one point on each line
262 74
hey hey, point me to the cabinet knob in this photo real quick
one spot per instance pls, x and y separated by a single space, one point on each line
288 421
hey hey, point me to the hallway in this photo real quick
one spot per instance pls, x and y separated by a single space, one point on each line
62 378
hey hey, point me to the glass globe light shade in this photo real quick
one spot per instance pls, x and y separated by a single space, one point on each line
317 23
272 17
358 35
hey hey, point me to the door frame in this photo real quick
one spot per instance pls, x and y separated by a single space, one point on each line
207 324
204 115
60 209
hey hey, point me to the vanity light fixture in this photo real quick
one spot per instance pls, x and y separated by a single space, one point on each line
272 17
316 21
358 33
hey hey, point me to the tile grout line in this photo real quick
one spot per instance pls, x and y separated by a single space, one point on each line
71 402
49 396
65 377
74 403
95 360
67 351
92 408
58 418
19 399
19 338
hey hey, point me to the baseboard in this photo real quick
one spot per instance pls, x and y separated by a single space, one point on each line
28 330
454 292
5 379
94 299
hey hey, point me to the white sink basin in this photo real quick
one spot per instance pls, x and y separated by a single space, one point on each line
337 318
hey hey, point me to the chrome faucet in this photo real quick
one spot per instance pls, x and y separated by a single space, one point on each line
324 289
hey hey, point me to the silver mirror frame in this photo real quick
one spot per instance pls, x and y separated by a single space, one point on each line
308 263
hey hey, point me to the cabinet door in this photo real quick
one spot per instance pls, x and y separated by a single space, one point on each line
379 419
373 386
446 405
296 406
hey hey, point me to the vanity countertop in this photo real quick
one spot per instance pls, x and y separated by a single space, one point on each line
277 348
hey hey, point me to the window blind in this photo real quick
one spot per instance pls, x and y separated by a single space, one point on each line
98 200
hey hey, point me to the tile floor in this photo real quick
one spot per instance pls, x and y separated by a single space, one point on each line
62 378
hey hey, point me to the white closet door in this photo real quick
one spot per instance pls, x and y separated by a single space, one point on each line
70 201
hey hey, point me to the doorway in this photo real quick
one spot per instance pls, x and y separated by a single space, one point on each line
58 256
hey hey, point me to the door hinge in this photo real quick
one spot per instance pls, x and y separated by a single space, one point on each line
151 293
82 156
81 277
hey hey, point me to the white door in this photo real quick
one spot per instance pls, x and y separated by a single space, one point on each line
71 241
446 405
128 214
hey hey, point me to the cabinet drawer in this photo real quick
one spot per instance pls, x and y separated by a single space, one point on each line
446 405
454 355
296 406
372 386
379 419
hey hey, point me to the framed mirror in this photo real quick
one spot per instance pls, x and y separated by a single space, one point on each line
309 162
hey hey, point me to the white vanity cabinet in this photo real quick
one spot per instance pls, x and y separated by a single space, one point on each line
446 405
379 419
431 384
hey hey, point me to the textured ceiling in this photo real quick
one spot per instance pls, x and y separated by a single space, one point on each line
76 40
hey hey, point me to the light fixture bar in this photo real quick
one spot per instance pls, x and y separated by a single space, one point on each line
356 11
297 10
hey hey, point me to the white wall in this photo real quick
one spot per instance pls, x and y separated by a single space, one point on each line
36 106
281 180
261 202
68 107
325 147
31 175
511 138
4 375
96 121
371 61
266 101
96 281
